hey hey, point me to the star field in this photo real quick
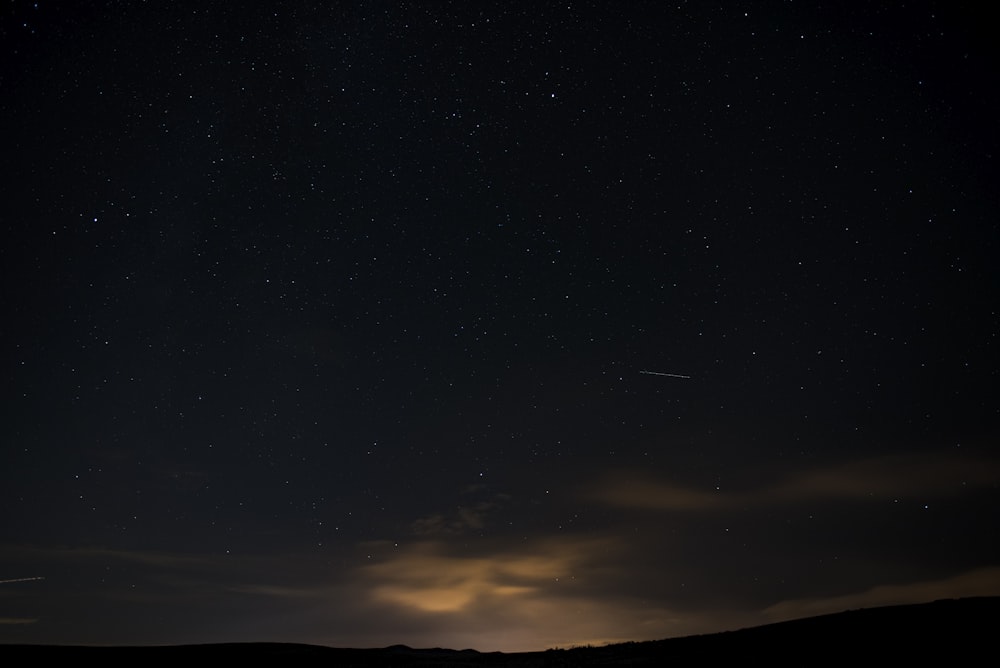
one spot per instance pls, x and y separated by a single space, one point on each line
501 326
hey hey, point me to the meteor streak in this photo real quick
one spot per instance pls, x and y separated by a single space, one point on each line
3 582
668 375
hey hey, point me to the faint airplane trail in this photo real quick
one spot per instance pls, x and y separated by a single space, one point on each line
668 375
3 582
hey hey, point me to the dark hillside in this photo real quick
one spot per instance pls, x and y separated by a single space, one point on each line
955 632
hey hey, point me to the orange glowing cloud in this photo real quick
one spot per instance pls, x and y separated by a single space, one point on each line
546 592
425 578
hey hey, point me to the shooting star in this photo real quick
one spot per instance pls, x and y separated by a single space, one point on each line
3 582
668 375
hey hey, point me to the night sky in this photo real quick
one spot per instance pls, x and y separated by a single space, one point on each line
342 323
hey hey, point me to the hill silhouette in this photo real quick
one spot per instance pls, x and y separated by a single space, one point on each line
955 631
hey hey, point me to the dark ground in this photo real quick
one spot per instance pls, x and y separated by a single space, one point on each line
953 632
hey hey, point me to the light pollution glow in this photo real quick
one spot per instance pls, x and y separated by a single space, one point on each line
659 566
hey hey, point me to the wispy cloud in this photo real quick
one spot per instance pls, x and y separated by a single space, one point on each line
463 519
77 555
642 492
901 475
18 620
470 516
881 478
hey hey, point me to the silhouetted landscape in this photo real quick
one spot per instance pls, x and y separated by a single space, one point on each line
956 631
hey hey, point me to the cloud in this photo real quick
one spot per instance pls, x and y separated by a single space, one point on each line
463 519
900 475
428 579
92 554
640 492
17 620
671 560
882 477
556 591
279 591
979 582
